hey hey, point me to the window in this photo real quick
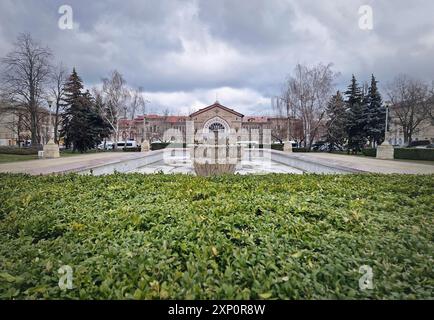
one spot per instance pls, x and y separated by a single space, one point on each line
216 127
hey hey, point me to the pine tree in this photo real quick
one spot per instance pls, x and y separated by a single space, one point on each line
355 118
336 124
83 127
375 115
71 103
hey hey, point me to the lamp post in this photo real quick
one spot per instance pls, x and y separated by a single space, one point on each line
145 143
385 150
386 129
51 149
50 128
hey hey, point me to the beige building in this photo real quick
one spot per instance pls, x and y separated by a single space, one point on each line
157 128
425 131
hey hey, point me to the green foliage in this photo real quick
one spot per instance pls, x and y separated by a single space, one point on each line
18 151
83 126
369 152
414 154
355 120
336 123
375 114
229 237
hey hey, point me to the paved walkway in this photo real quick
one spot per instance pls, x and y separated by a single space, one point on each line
67 164
368 164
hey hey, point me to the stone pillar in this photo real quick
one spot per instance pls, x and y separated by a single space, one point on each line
51 150
287 146
385 151
145 146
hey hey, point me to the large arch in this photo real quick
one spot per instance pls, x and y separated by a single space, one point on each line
216 122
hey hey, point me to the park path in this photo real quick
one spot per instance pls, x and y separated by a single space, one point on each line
67 164
367 164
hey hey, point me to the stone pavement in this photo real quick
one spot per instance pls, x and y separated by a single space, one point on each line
67 164
368 164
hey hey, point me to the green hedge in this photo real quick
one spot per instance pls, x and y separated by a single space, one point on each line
229 237
18 151
370 152
163 145
414 154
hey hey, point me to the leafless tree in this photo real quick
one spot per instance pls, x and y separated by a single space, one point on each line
57 93
305 96
115 95
26 71
136 102
411 104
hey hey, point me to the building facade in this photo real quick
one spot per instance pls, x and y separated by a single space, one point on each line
158 128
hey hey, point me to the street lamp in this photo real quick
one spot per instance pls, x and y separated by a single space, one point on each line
386 129
50 102
51 149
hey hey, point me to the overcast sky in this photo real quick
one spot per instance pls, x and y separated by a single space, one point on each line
184 53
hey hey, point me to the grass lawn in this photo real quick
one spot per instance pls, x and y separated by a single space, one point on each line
232 237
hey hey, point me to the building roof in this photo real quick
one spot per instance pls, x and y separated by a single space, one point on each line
216 105
254 119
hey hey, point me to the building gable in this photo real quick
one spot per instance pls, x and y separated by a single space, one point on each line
216 106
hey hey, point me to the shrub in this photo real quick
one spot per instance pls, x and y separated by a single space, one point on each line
277 146
419 143
300 150
18 151
227 237
369 152
414 154
274 146
135 149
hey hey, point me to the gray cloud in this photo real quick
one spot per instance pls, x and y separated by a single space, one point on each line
183 52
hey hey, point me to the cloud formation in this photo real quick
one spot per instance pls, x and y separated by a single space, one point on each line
185 52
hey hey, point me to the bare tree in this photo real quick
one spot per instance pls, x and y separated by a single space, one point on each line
57 92
305 96
25 73
115 94
411 104
135 103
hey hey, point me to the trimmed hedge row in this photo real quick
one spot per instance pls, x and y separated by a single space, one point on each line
18 151
414 154
229 237
370 152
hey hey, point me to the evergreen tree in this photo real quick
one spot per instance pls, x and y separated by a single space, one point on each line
355 120
375 115
99 128
336 124
83 127
73 87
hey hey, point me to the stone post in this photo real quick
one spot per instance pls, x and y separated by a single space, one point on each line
51 150
385 151
145 146
287 146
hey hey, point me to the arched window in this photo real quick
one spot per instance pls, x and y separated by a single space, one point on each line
216 127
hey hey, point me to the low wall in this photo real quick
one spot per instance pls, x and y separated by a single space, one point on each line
299 161
294 160
125 165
